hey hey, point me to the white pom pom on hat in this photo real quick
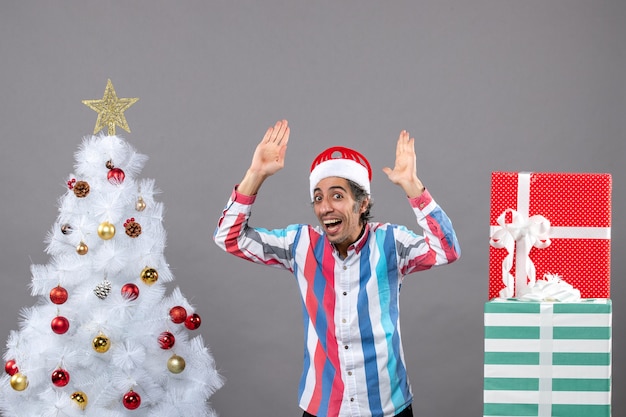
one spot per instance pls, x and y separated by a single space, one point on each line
342 162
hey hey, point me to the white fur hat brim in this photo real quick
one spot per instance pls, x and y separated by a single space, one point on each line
343 168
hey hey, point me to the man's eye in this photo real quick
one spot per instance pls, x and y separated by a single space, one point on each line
317 198
337 196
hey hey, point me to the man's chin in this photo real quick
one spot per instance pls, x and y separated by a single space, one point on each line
335 239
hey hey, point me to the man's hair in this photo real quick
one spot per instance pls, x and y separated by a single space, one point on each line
360 195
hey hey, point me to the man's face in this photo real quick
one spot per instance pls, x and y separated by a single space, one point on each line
337 212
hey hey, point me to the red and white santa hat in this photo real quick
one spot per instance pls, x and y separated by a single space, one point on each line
342 162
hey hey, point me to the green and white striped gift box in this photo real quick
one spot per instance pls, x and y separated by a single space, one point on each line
547 359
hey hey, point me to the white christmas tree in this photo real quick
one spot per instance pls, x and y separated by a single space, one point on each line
105 337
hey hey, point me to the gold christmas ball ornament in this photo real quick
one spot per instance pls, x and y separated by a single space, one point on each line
106 230
149 275
176 364
140 205
82 248
19 382
101 343
80 399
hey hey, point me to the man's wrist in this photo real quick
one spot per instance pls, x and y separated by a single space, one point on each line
251 183
414 189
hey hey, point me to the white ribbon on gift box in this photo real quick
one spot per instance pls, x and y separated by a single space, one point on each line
526 233
546 350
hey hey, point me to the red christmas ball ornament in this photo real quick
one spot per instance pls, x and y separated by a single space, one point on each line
60 377
178 314
60 325
130 291
11 367
193 321
166 340
58 295
131 400
116 176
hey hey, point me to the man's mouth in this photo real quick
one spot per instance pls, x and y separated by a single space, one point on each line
332 224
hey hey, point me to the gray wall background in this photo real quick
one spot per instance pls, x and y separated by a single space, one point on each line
483 86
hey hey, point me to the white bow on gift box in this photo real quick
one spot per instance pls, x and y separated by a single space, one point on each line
525 233
550 288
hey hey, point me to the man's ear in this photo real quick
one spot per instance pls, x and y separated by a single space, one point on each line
364 205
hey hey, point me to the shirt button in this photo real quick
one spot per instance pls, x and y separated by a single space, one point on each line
345 347
352 399
345 267
345 293
344 320
349 373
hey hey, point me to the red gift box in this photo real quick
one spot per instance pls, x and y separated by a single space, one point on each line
558 223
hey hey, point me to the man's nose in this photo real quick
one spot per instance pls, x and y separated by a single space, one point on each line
325 206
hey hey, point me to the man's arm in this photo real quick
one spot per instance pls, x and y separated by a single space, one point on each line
268 158
439 245
232 233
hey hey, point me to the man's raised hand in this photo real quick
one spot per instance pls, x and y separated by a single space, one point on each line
268 158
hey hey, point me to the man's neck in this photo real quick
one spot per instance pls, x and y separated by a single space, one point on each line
343 247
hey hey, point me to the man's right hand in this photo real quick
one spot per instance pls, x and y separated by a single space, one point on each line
268 158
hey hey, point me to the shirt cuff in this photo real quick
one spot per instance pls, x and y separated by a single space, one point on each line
422 201
242 198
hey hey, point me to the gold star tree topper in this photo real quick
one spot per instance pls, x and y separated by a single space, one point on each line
110 110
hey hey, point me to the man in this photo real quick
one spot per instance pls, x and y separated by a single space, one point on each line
349 271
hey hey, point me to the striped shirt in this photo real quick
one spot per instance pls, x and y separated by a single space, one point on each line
353 358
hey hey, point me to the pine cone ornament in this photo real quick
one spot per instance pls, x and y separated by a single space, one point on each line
81 189
103 289
133 229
